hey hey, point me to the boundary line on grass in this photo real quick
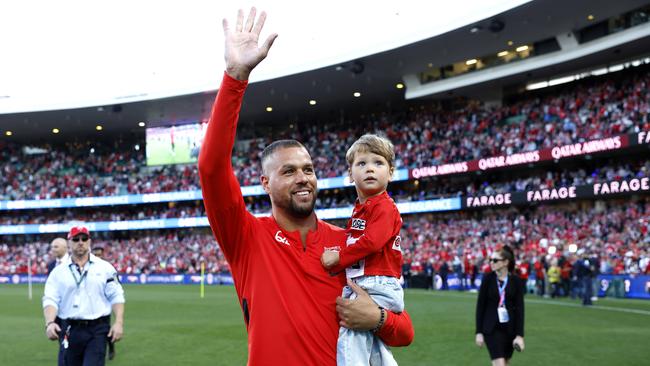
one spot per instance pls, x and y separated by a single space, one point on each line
573 305
597 307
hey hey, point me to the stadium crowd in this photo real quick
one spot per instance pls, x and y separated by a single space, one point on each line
616 232
169 252
422 134
400 191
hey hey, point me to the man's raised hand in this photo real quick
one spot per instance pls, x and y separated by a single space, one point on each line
242 50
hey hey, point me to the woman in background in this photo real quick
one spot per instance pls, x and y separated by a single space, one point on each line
500 309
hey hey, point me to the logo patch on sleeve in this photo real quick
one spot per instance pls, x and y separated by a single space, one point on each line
358 224
397 242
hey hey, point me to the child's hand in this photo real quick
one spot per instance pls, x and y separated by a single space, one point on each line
329 259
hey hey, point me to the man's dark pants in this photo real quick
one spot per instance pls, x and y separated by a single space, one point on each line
86 342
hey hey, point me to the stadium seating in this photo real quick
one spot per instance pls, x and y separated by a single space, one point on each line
615 230
422 134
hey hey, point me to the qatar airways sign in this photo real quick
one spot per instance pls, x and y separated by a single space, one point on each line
431 171
509 160
589 147
531 157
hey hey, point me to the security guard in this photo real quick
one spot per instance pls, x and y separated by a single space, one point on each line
79 295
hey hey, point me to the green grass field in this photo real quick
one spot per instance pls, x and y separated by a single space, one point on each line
171 325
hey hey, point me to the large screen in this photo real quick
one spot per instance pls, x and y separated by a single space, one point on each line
174 145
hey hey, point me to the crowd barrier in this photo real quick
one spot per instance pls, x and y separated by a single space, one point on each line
619 286
141 279
623 286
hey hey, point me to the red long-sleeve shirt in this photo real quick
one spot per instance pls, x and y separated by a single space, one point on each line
373 243
287 298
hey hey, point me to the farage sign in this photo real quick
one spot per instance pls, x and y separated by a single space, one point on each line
591 191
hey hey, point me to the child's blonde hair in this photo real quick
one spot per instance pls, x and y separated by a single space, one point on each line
374 144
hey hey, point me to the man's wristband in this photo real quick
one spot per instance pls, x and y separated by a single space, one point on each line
48 323
382 320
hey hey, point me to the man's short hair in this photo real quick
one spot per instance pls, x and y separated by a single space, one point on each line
374 144
279 144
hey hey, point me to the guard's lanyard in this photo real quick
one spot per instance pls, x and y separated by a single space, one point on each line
502 291
79 280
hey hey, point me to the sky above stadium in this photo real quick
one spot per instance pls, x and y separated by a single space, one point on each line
71 54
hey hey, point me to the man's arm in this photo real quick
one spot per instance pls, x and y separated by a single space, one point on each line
397 331
221 192
51 301
115 295
51 328
222 198
374 237
364 314
117 329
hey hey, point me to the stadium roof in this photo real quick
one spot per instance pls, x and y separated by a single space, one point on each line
72 54
371 65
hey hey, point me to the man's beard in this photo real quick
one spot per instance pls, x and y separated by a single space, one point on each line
302 211
80 253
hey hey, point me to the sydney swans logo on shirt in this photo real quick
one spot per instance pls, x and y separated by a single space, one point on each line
352 240
281 239
396 243
358 224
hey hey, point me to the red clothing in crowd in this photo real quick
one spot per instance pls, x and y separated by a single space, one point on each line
565 273
373 243
486 267
287 298
539 270
524 270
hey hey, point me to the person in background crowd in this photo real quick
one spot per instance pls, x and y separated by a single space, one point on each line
429 271
565 275
460 273
444 274
576 278
406 273
523 268
474 272
594 260
540 276
554 274
585 274
59 250
467 272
